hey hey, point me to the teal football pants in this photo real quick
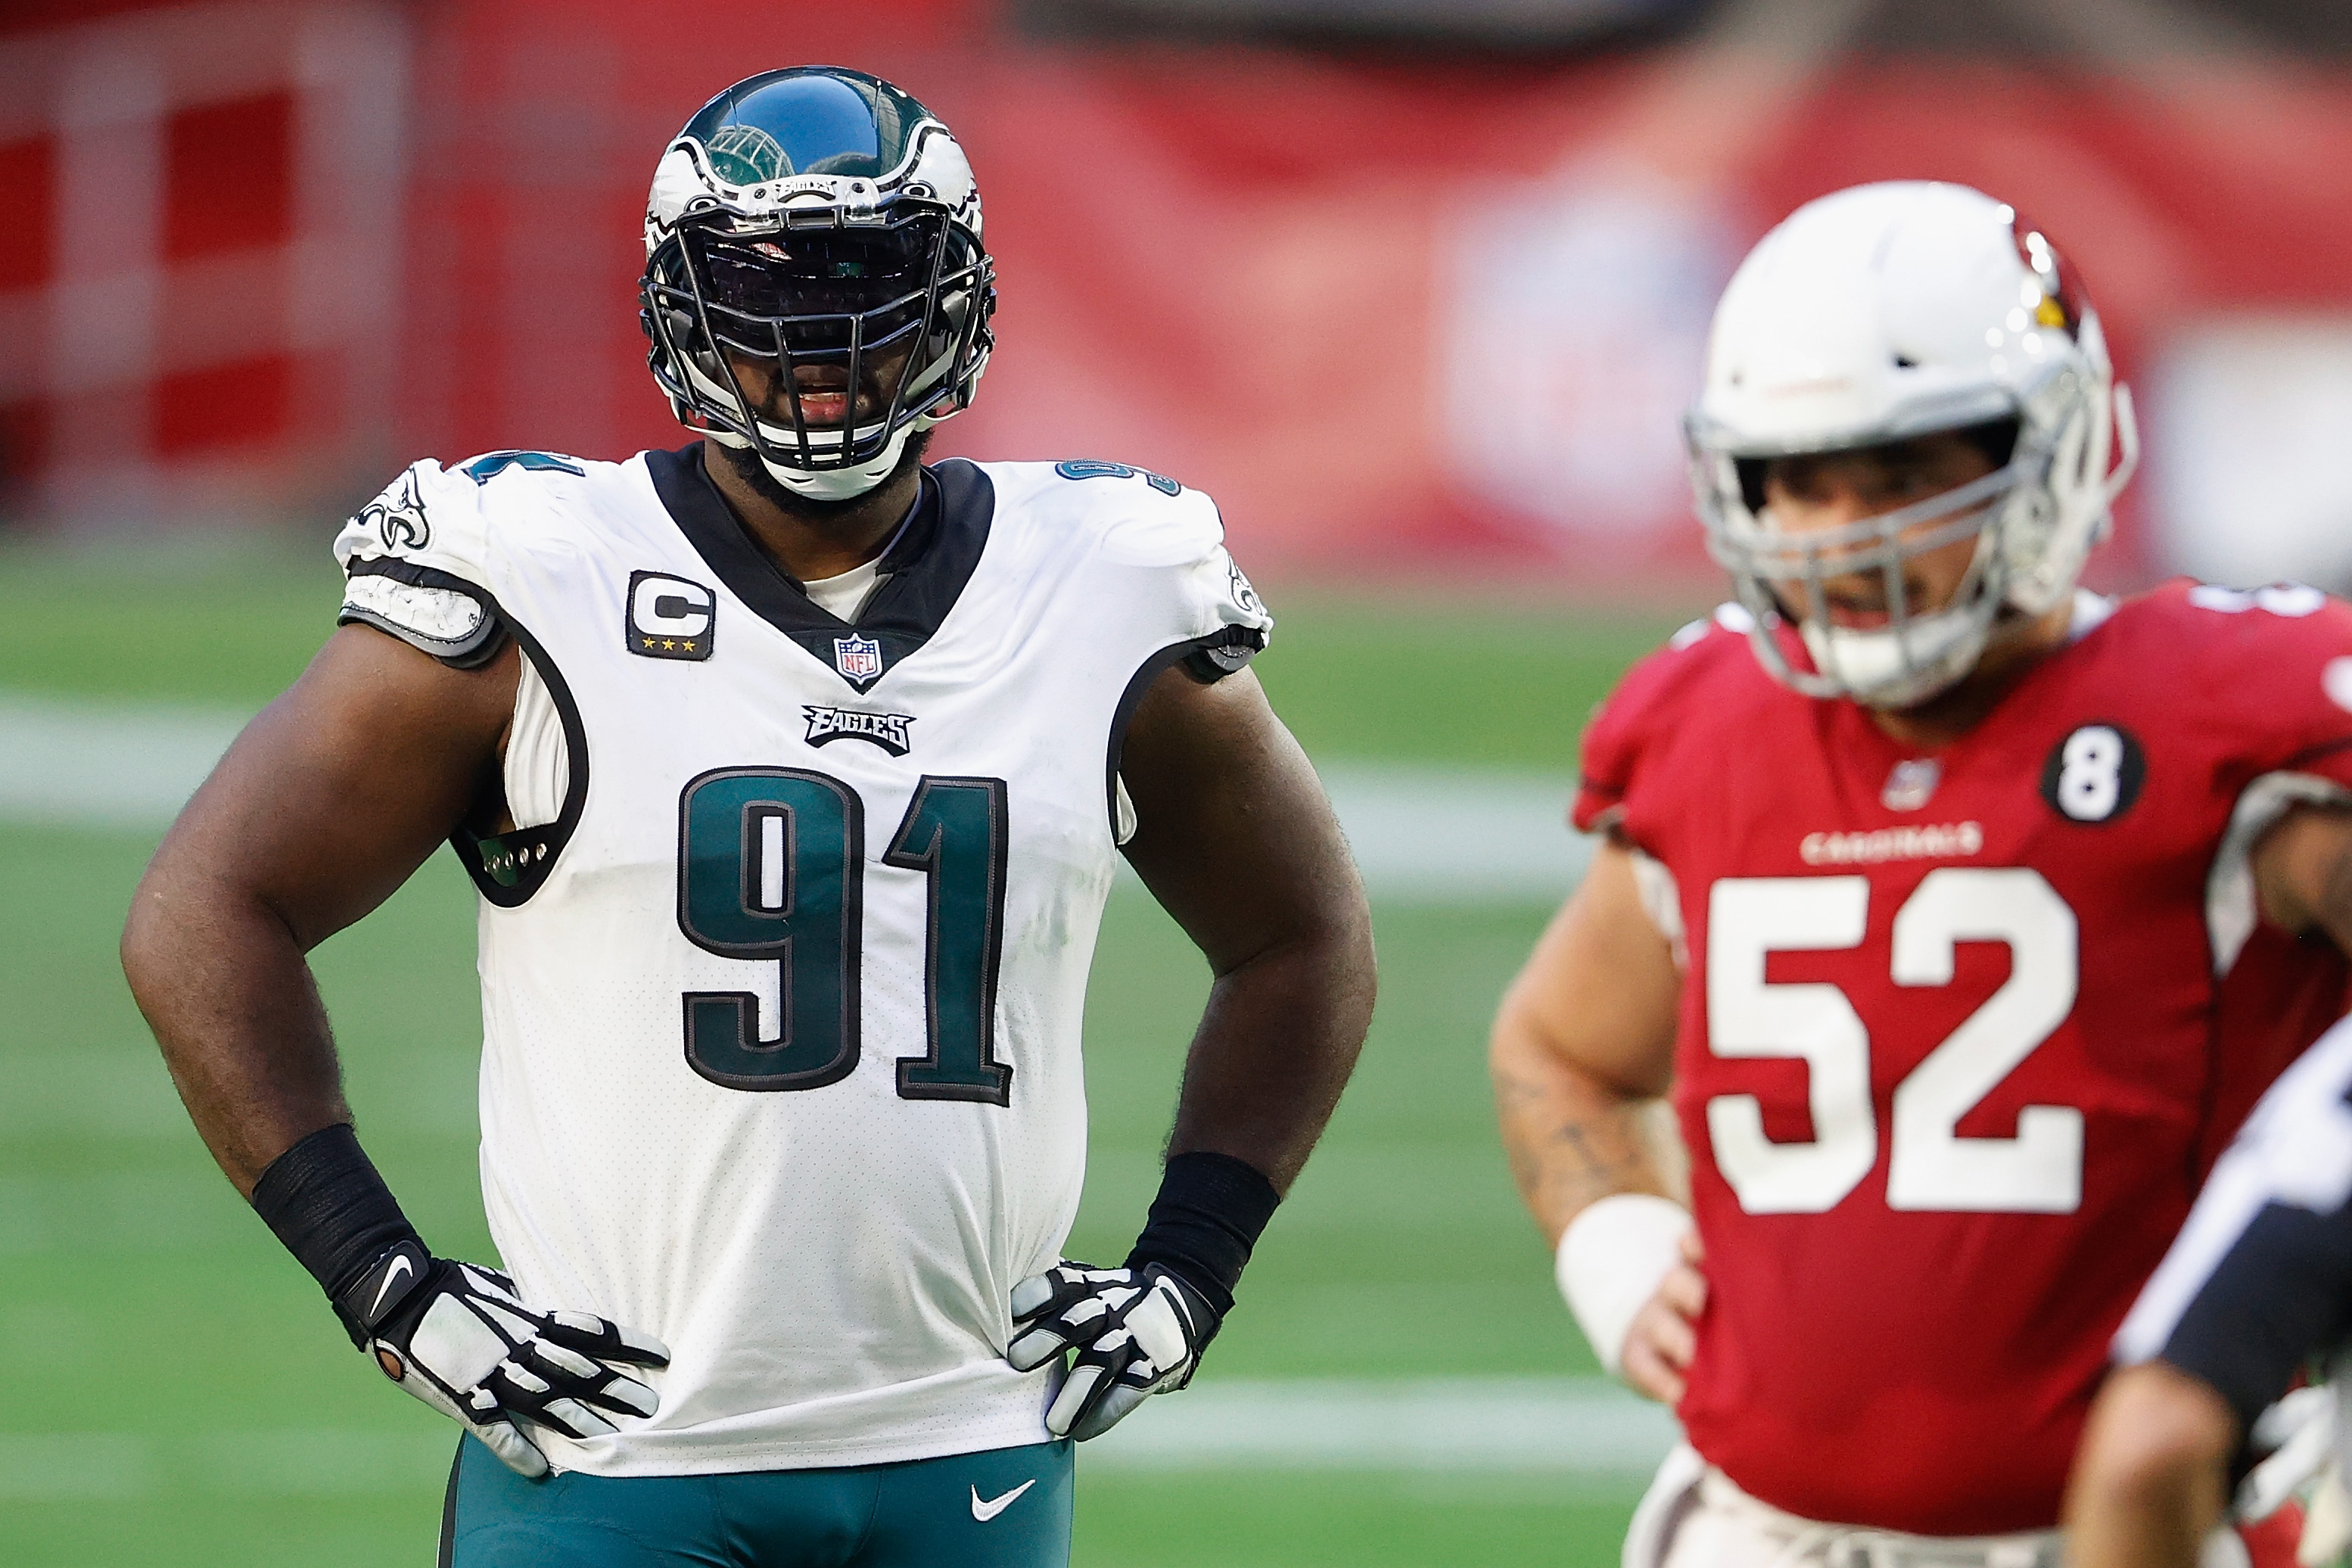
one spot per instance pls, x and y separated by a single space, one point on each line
958 1511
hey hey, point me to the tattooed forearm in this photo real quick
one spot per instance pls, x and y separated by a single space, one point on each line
1600 1156
1580 1162
1573 1141
1584 1050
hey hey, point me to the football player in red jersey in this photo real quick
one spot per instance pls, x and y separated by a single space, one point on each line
1959 915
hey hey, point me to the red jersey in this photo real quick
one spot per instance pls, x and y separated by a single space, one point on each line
1962 1031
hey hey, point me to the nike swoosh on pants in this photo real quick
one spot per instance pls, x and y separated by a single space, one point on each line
984 1512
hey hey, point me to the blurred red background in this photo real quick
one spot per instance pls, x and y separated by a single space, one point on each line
1401 312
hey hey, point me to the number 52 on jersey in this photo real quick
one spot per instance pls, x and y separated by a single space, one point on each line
1929 1166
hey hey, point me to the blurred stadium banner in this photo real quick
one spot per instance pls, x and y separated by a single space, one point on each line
1492 23
1408 310
200 283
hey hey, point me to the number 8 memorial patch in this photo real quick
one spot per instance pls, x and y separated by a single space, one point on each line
2095 773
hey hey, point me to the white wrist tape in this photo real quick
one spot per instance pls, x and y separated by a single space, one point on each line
1611 1263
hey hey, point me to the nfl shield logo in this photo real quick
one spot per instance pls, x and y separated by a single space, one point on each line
860 658
1911 785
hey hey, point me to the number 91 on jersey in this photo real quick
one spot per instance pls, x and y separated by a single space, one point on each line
772 868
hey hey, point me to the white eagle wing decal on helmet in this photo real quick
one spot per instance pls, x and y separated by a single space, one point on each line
817 289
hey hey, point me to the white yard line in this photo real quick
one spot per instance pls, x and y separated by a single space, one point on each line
1566 1425
1563 1427
1422 834
87 764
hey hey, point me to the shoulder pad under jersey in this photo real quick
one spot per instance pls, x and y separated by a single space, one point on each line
1134 518
1647 704
416 563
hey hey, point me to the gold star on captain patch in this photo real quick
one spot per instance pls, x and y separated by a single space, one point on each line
669 645
648 642
688 645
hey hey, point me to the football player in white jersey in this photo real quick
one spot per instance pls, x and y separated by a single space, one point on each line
2256 1291
792 772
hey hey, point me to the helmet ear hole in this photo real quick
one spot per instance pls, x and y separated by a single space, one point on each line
687 334
1996 439
1752 482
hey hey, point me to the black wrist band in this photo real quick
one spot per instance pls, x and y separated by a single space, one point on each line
1210 1212
326 1203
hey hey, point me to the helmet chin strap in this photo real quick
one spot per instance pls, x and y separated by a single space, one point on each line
1902 666
827 484
1887 670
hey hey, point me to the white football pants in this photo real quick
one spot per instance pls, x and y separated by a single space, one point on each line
1693 1517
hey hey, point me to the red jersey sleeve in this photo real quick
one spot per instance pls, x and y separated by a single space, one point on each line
2268 680
1626 729
2272 677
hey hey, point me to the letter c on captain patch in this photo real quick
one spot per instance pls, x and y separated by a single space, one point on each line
669 617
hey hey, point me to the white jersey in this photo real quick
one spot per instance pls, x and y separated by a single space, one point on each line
783 971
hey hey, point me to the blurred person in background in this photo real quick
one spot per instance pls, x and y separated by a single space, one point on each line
2257 1288
791 771
1962 913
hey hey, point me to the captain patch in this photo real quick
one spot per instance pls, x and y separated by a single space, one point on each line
669 617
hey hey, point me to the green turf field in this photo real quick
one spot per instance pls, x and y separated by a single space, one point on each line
178 1394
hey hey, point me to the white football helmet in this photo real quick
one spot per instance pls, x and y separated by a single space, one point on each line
1877 314
823 226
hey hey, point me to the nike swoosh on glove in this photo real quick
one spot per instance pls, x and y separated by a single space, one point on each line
1137 1331
456 1336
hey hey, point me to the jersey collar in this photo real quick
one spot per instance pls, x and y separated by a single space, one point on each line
928 564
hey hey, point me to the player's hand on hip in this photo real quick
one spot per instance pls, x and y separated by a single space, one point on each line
2297 1437
455 1335
1664 1335
1137 1332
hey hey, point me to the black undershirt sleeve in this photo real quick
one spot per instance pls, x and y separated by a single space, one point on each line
1210 1212
325 1201
2279 1297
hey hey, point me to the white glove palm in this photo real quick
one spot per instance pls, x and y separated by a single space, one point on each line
1137 1331
456 1337
2300 1433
